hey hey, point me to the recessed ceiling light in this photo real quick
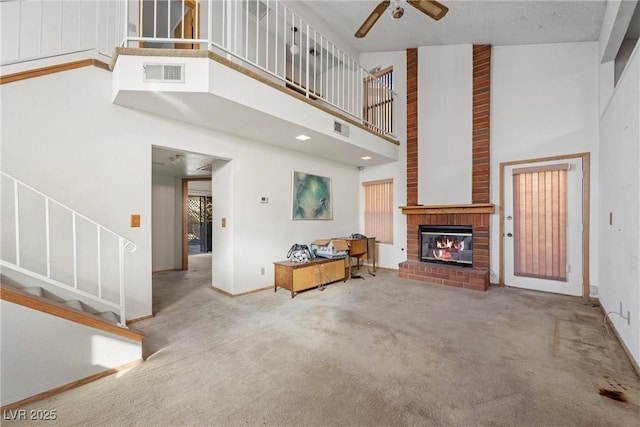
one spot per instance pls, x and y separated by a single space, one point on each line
303 137
366 158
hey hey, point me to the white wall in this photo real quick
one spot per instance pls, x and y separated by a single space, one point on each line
222 177
41 352
606 84
263 233
620 197
445 120
37 33
33 28
544 102
166 195
390 255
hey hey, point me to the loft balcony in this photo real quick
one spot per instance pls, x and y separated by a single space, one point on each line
255 69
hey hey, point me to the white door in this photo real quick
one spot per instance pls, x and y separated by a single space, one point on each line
543 226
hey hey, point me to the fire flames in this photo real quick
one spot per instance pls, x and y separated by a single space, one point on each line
445 246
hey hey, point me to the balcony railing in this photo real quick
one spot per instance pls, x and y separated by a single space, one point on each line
270 37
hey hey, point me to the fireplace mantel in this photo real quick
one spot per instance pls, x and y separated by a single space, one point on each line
476 208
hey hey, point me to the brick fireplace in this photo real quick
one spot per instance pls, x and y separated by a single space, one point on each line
475 214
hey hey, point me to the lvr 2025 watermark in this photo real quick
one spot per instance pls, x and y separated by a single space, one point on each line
30 415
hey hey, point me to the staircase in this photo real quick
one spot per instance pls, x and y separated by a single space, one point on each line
62 297
39 298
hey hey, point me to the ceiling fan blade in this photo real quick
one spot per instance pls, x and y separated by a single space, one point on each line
430 7
372 18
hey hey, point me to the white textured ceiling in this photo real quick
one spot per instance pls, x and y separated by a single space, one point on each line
499 22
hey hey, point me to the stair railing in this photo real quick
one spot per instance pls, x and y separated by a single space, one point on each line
14 256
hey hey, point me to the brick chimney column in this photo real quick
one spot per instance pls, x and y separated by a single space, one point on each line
412 126
481 122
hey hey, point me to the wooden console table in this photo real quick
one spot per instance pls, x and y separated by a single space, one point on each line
298 276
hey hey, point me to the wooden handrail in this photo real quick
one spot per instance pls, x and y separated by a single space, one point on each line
16 296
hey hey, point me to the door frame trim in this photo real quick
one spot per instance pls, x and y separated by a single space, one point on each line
185 203
586 203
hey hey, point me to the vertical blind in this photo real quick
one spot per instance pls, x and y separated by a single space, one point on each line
378 210
540 222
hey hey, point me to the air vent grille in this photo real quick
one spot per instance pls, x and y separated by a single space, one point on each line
170 73
340 128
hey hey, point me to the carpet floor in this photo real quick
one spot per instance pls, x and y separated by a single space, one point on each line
375 352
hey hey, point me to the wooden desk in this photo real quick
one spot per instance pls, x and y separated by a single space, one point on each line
298 276
364 247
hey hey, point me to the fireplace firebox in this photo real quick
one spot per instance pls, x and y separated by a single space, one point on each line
447 244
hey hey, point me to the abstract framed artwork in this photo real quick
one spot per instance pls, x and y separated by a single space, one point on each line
311 197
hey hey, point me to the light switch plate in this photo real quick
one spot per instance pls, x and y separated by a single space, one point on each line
135 220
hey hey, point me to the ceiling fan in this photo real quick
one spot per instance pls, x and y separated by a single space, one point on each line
429 7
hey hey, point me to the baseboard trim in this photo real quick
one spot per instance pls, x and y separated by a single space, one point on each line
70 386
379 268
171 270
240 294
635 365
139 319
38 72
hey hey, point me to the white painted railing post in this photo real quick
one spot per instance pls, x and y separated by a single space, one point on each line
123 319
47 236
74 232
210 24
16 212
307 84
125 42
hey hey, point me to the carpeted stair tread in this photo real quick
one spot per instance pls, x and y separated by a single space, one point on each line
36 291
109 316
74 304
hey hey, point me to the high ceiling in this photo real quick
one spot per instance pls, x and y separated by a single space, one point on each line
497 22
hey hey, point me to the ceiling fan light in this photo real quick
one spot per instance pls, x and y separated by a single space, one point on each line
397 12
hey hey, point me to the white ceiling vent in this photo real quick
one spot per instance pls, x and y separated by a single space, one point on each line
256 8
169 73
340 128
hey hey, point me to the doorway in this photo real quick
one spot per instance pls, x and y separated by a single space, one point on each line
544 224
188 27
197 214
